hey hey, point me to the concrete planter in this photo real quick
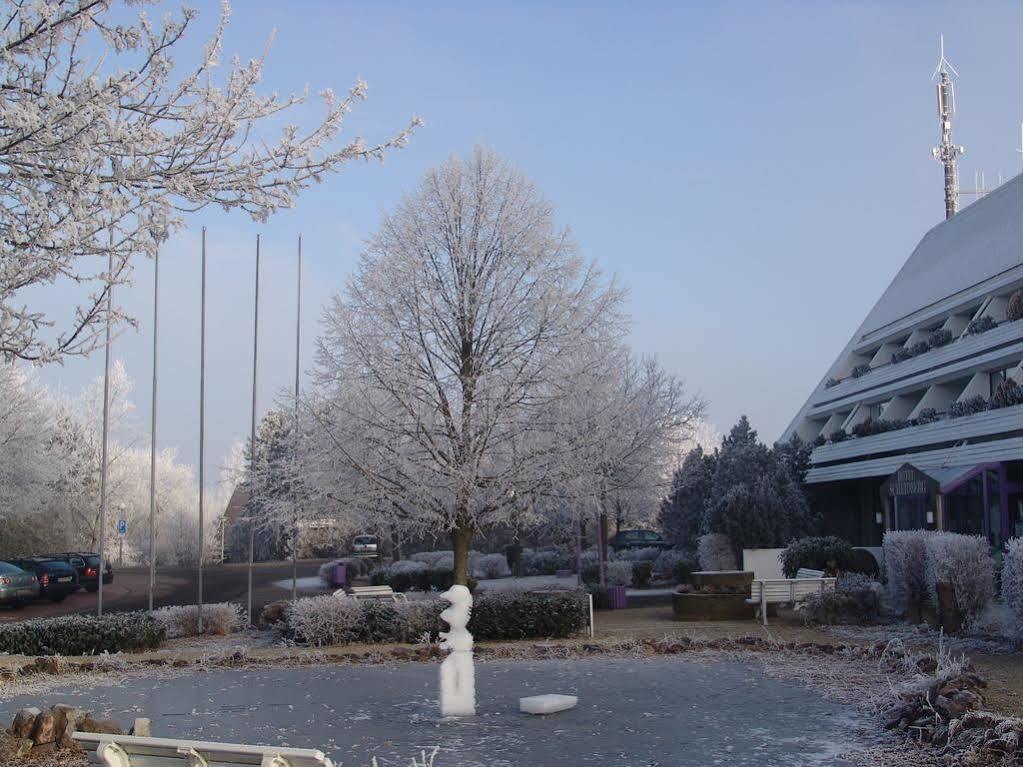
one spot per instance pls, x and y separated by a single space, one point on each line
742 579
710 607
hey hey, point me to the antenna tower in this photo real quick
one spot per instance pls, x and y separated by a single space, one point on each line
946 152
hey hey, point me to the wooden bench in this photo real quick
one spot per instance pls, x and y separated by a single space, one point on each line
786 591
133 751
372 592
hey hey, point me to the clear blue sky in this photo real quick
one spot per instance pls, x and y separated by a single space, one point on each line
755 173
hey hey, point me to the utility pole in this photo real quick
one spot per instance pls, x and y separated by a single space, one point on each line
202 423
252 436
294 478
152 433
106 431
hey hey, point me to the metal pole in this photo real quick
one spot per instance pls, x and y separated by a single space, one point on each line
152 436
252 436
202 422
294 487
106 429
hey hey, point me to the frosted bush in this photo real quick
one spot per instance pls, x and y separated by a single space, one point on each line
618 573
430 558
667 562
905 566
401 567
218 619
324 620
490 566
964 562
417 619
1012 584
546 561
714 552
647 554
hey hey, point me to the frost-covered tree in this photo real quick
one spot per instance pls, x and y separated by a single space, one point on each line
681 513
106 140
754 498
441 364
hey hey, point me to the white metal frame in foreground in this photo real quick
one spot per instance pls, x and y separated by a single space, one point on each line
133 751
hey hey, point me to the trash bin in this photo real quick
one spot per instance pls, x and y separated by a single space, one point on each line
340 576
616 599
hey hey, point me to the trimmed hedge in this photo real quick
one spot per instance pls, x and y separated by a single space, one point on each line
82 635
529 615
495 616
816 552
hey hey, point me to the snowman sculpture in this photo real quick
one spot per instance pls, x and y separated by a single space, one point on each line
457 675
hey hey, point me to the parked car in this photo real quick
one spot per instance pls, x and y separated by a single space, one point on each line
364 544
638 539
57 578
16 586
86 563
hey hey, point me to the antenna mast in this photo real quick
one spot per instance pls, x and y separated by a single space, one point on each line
946 152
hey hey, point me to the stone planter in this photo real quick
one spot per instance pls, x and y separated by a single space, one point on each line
710 607
742 579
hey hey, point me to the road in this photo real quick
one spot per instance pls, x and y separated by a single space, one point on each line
175 586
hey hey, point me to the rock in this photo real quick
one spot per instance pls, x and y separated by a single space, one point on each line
67 719
142 727
44 730
24 720
22 748
105 726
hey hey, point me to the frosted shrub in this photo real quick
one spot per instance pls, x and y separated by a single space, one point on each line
546 561
417 619
1012 584
401 567
490 566
618 573
430 558
218 619
714 551
324 620
667 562
905 565
647 554
964 562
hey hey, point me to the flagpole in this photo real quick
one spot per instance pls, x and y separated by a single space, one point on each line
202 423
252 436
106 429
152 434
294 486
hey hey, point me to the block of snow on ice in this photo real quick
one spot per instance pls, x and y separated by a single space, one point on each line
547 704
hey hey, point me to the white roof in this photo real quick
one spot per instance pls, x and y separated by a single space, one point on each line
981 241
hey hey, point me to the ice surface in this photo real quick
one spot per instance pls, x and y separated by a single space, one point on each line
547 704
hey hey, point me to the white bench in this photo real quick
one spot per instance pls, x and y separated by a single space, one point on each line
806 572
372 592
133 751
786 591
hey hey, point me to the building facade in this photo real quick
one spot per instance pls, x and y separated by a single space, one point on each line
919 421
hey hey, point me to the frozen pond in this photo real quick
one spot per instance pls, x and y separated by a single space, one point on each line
631 712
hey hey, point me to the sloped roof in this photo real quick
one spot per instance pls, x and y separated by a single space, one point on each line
981 241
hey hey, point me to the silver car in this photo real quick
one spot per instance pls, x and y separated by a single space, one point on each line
364 544
16 586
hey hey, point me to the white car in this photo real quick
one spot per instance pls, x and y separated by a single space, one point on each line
364 544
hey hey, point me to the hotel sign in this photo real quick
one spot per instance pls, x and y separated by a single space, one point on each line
909 480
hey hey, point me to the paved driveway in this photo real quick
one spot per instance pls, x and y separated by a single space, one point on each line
662 711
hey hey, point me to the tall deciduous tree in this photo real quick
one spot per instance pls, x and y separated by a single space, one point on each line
104 143
442 364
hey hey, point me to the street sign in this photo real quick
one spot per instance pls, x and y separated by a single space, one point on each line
122 527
